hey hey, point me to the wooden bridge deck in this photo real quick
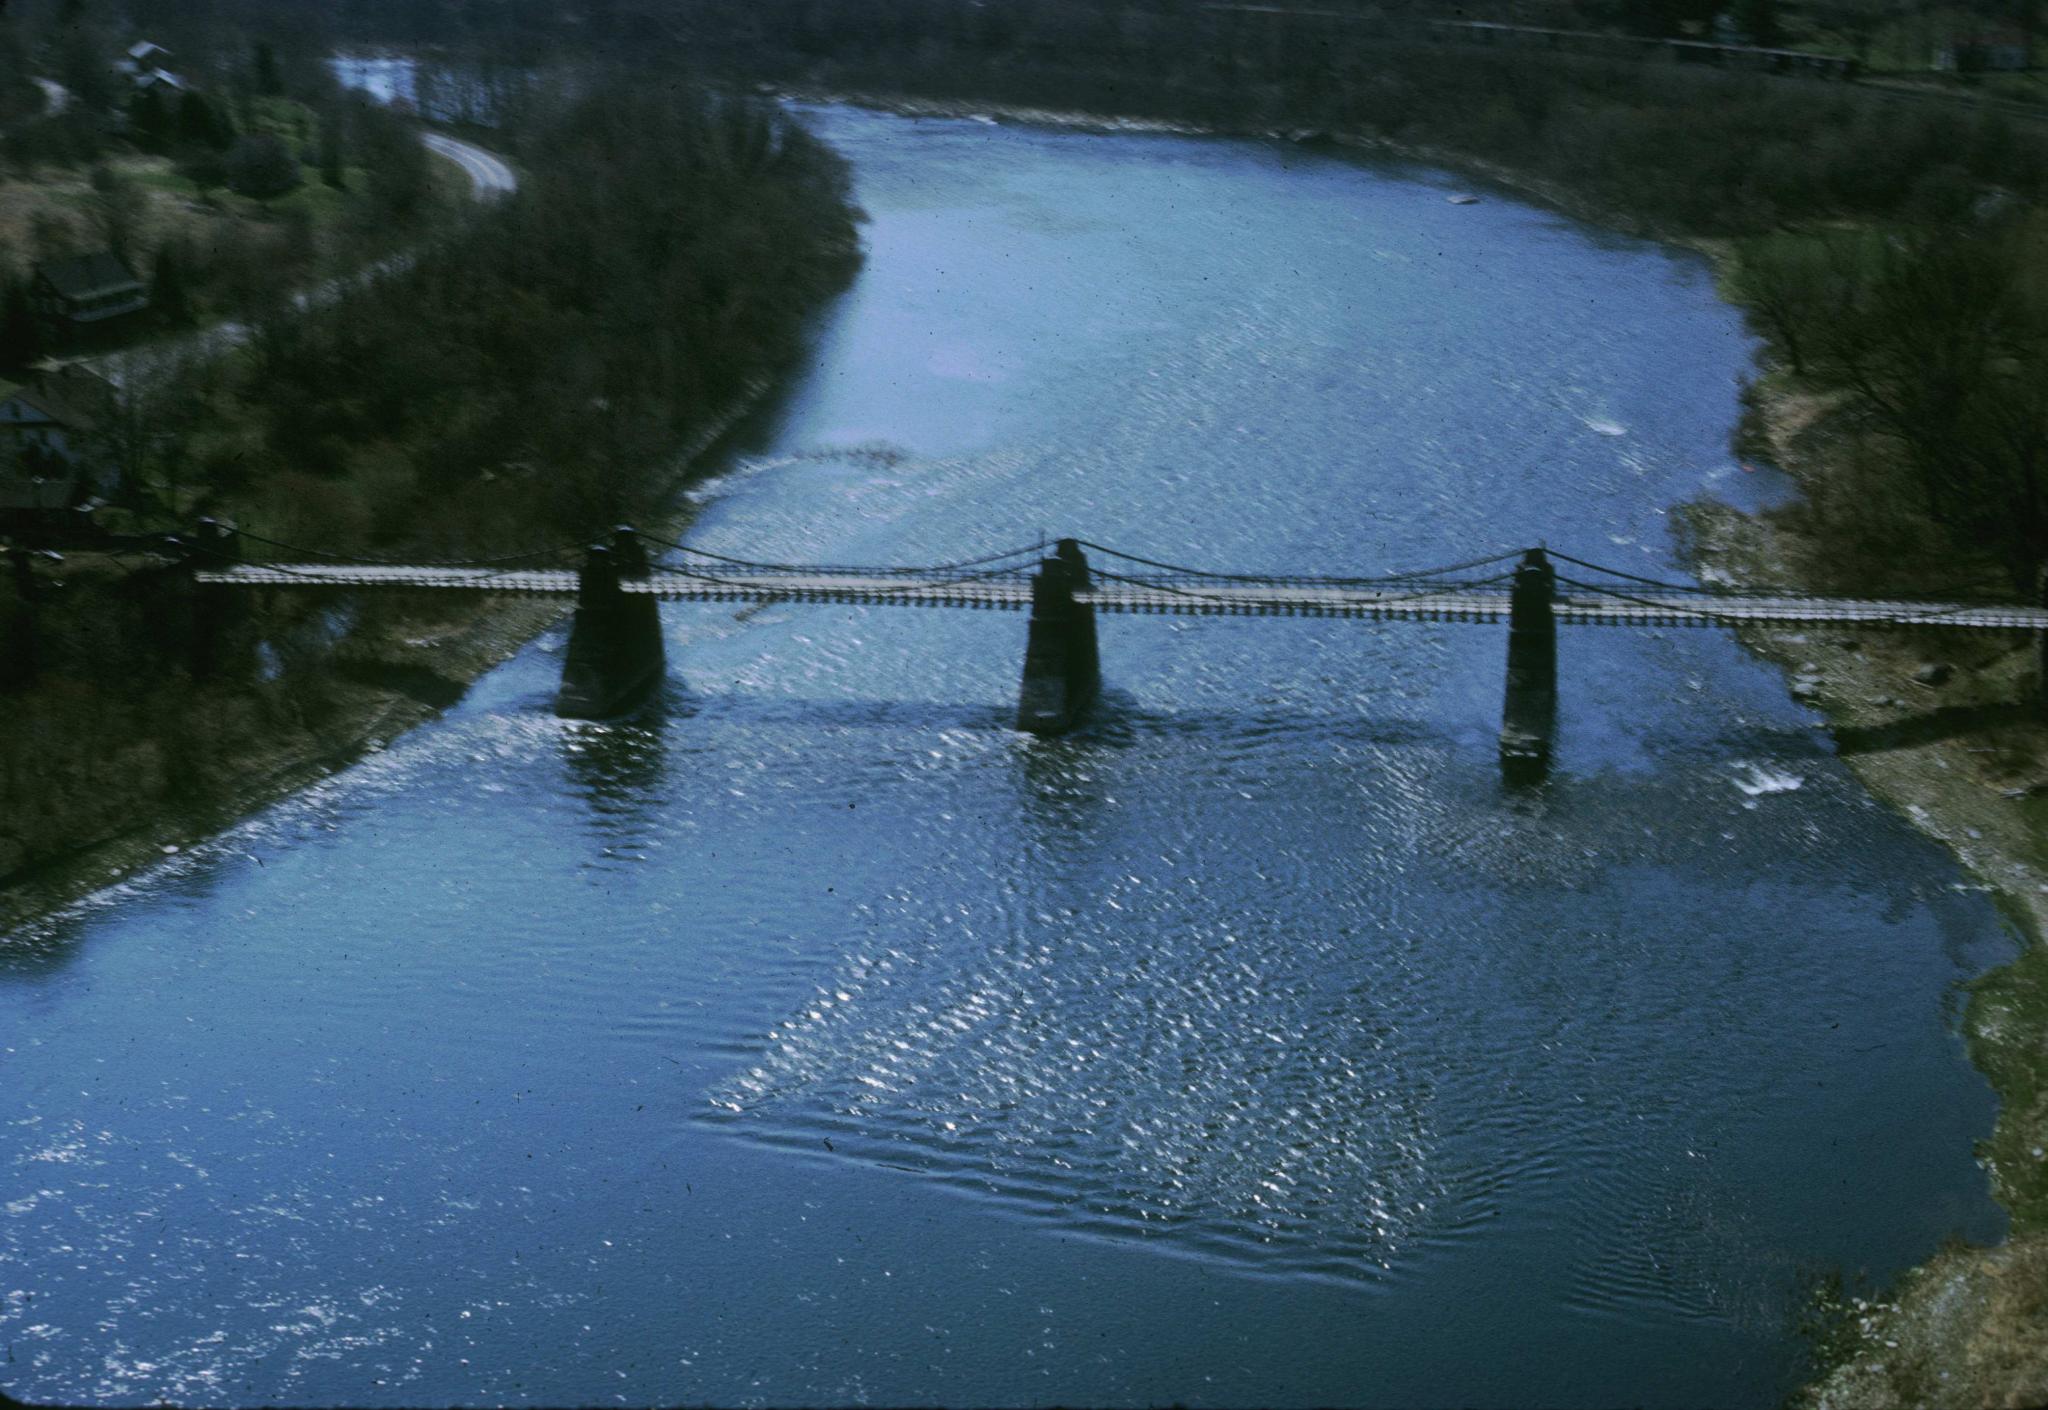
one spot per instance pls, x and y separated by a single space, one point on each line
1169 595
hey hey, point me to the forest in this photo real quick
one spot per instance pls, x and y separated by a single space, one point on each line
528 375
227 187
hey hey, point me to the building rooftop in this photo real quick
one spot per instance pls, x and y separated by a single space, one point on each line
89 276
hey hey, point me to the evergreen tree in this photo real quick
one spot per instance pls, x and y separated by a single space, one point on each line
330 157
269 82
169 292
150 121
203 123
1759 20
262 166
21 334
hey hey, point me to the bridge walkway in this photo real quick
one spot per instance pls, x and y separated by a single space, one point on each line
1177 595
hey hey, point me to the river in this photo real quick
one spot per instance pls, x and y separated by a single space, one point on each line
818 1039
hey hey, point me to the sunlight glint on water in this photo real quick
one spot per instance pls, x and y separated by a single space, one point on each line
818 1039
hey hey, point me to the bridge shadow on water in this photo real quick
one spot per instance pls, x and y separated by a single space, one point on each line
623 771
619 768
1116 720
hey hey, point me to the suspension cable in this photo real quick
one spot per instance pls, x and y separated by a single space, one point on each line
1270 578
1020 552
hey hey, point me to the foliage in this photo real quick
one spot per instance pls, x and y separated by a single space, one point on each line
170 293
1942 341
21 340
116 210
262 164
203 124
528 373
527 377
400 181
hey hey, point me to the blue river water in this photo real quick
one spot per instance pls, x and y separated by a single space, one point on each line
816 1039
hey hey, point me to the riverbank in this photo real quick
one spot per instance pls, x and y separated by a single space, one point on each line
1846 648
1949 732
380 680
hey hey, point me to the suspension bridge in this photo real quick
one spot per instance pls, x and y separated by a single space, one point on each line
615 645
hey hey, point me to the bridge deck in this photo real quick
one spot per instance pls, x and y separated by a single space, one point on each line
1162 595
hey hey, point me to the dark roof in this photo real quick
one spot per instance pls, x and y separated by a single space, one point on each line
70 396
89 276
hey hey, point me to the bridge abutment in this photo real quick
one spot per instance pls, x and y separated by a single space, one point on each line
2041 646
1529 714
1062 666
615 651
23 655
215 610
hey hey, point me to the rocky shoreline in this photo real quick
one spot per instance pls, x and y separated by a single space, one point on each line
1953 734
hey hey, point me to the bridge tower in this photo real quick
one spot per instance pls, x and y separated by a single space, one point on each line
1062 668
1529 715
615 653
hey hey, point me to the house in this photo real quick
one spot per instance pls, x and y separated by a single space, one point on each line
1993 51
144 65
142 57
51 418
86 289
47 429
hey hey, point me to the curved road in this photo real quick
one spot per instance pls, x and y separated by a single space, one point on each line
490 178
56 97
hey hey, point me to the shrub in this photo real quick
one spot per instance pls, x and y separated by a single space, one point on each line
261 165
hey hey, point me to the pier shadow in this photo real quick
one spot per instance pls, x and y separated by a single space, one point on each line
619 768
1114 721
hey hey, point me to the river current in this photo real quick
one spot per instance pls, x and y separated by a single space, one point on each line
814 1038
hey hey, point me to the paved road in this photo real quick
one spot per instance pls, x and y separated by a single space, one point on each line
56 97
489 178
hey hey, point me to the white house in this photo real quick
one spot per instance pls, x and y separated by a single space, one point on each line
144 62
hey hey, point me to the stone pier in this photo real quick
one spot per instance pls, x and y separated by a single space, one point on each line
615 654
1529 715
1062 668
